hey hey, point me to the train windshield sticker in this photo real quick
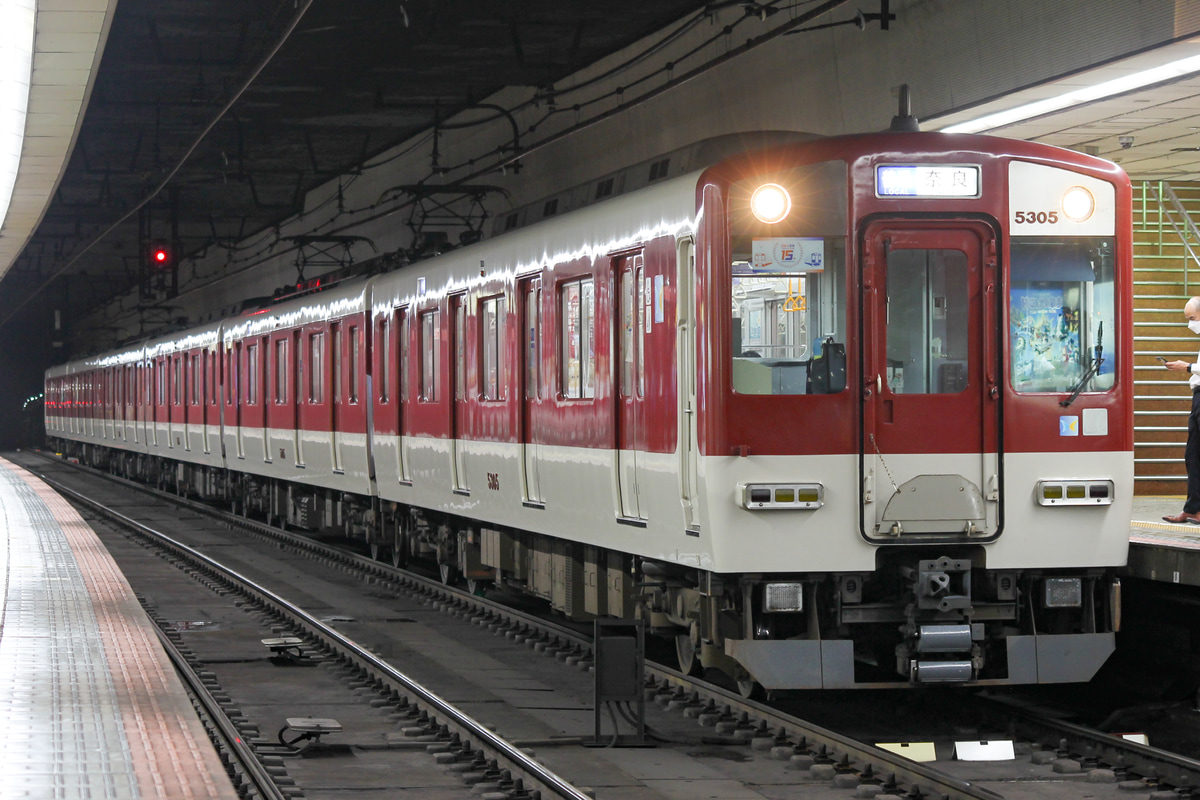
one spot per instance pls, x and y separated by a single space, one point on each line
1045 339
926 180
788 254
1061 312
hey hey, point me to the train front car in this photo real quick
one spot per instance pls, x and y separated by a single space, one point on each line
915 412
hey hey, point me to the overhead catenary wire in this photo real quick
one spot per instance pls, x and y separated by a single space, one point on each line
507 154
166 180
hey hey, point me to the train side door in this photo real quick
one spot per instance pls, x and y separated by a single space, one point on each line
337 342
459 400
296 386
530 298
685 304
239 401
930 408
631 381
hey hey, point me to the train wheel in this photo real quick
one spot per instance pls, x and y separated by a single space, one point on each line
448 573
375 550
748 687
478 587
687 655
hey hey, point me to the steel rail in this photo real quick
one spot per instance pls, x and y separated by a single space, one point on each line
1180 772
535 772
231 739
920 779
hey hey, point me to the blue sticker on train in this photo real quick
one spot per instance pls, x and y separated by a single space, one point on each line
1068 426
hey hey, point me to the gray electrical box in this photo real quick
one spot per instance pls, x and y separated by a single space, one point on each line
619 650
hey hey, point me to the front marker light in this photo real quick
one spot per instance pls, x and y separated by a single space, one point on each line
781 496
1075 492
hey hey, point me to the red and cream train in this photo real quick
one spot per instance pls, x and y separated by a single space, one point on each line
836 413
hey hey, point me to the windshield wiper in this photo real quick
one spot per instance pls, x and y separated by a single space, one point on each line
1092 370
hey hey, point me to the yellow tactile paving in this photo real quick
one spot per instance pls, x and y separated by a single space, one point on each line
89 704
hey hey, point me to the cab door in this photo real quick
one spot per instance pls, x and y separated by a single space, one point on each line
930 460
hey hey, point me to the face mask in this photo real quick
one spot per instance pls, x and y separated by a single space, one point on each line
1194 326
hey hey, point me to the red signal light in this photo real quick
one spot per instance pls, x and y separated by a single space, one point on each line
159 255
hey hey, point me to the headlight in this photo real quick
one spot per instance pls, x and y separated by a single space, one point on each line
1078 204
771 203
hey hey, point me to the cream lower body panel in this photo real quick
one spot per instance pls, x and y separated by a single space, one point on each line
259 455
828 539
580 492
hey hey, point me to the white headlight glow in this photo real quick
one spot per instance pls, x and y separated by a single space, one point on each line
771 203
1078 203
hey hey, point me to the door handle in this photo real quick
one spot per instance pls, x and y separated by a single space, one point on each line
877 382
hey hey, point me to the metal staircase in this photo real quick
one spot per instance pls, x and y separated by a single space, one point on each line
1165 265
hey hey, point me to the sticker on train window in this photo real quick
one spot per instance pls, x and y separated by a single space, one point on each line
790 254
658 298
927 180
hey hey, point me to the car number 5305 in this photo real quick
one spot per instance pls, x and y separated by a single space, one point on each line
1039 217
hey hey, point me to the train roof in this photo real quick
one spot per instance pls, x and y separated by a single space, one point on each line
330 304
664 208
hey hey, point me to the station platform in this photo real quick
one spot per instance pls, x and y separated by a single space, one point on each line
1162 551
90 705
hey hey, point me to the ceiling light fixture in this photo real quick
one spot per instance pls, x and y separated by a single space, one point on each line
1075 97
18 21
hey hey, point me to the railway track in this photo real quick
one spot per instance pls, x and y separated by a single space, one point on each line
823 753
253 774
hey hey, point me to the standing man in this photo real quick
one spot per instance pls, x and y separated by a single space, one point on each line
1191 455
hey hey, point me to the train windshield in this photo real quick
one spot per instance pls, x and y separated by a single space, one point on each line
788 311
1062 323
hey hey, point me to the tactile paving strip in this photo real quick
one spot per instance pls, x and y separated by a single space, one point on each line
90 706
1170 534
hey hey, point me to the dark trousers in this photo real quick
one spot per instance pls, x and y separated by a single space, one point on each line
1191 457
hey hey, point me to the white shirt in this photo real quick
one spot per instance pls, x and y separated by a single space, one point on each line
1194 379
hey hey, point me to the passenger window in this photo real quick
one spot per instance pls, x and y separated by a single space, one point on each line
336 345
788 324
430 342
354 365
316 375
402 324
385 357
1060 307
252 374
460 348
195 377
281 365
532 341
492 331
577 341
